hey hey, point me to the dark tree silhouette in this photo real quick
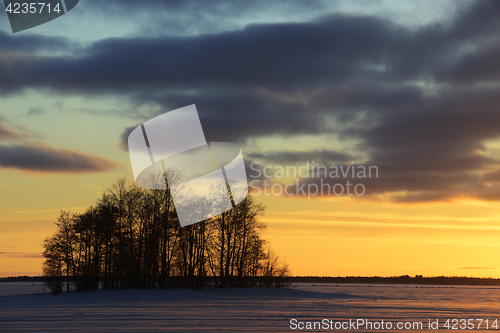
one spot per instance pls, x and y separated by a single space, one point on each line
132 238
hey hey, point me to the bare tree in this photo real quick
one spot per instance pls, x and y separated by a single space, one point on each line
132 238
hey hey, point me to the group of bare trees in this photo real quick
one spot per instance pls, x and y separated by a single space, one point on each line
132 239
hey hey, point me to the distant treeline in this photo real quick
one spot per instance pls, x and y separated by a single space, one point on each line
23 278
403 279
132 239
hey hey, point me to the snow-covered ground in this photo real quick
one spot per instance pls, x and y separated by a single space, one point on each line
241 310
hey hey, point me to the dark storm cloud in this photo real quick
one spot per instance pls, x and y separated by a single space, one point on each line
419 102
439 146
254 114
283 57
478 21
338 49
42 158
481 67
434 150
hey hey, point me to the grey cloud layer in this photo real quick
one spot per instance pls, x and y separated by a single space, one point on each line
420 102
31 43
281 57
187 17
19 151
290 158
40 158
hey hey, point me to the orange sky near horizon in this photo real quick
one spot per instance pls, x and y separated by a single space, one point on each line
329 237
399 85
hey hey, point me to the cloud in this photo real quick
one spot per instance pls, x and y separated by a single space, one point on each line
189 17
124 137
31 43
20 151
6 134
35 112
94 186
419 103
216 6
42 158
21 255
284 56
10 131
301 157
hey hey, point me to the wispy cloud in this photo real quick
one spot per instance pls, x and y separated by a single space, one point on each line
43 158
23 151
10 131
94 186
35 112
21 255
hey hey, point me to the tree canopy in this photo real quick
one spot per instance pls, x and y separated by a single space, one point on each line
131 238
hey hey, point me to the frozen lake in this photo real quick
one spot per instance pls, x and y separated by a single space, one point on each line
21 288
25 308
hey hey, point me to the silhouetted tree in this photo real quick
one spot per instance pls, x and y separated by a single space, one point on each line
132 238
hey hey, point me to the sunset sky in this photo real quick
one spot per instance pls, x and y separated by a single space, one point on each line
409 87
